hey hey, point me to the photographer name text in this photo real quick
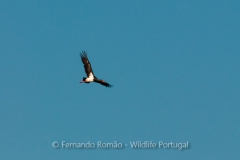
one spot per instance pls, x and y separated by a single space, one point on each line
119 145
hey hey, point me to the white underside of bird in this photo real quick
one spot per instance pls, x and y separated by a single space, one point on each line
90 78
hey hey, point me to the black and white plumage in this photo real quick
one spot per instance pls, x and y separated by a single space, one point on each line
89 72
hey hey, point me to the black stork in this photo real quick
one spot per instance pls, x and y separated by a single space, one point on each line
89 72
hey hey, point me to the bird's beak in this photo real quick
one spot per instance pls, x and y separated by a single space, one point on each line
81 82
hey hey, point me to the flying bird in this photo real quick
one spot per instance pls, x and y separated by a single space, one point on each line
89 72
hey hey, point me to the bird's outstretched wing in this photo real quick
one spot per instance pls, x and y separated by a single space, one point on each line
87 65
104 84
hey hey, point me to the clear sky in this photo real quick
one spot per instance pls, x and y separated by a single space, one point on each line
174 66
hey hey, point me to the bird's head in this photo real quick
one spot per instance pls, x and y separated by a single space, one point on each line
84 80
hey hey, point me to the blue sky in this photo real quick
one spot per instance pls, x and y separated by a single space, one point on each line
174 66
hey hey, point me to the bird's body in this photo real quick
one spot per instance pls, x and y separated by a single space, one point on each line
90 78
89 72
